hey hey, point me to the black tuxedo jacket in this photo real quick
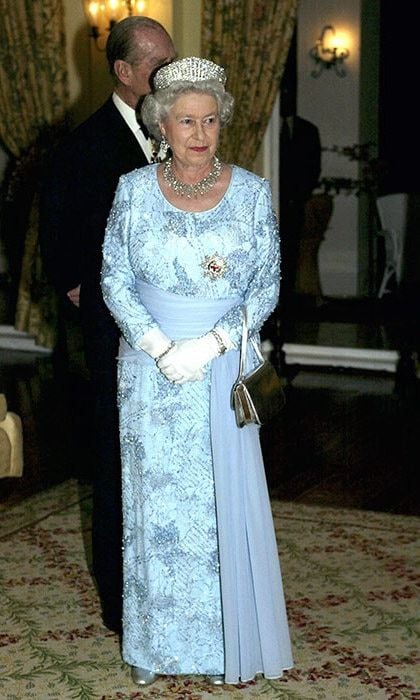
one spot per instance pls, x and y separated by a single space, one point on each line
300 161
77 191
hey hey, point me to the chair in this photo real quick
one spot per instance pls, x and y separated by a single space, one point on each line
11 442
317 214
392 213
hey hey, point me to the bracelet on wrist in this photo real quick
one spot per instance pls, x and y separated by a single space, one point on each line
165 352
219 340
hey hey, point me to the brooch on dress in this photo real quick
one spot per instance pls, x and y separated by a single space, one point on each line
214 266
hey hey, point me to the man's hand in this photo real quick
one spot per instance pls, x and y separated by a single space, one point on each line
74 295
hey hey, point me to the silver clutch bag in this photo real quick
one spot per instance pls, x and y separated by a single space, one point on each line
258 396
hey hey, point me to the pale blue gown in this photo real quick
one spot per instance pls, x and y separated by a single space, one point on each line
202 584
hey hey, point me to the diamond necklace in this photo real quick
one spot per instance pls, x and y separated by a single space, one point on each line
190 191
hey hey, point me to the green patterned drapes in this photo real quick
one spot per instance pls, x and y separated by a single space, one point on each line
251 39
33 81
33 104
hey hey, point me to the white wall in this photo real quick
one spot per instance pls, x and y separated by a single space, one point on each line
332 104
89 79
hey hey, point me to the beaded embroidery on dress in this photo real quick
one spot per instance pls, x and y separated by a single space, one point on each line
172 588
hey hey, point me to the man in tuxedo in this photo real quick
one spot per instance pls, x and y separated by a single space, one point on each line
76 197
300 167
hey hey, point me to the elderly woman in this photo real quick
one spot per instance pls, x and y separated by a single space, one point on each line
188 243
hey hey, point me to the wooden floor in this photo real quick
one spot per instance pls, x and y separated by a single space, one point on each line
345 438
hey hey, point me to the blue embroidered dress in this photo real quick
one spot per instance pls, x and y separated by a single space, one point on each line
202 583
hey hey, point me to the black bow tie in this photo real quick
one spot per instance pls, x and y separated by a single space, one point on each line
144 128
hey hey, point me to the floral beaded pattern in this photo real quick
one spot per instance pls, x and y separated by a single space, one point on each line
172 599
172 607
228 251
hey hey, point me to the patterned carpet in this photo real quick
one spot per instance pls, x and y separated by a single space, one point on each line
351 581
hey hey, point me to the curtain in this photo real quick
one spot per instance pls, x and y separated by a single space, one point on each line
33 105
251 39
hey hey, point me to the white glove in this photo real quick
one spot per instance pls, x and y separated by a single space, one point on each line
176 377
154 342
185 361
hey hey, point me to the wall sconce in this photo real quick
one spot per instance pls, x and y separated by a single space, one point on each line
103 14
329 52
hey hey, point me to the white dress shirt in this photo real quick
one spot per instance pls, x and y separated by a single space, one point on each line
129 116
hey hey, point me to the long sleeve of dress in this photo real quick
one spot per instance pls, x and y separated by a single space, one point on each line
118 280
262 293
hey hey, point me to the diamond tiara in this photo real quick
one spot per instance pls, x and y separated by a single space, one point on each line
191 69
